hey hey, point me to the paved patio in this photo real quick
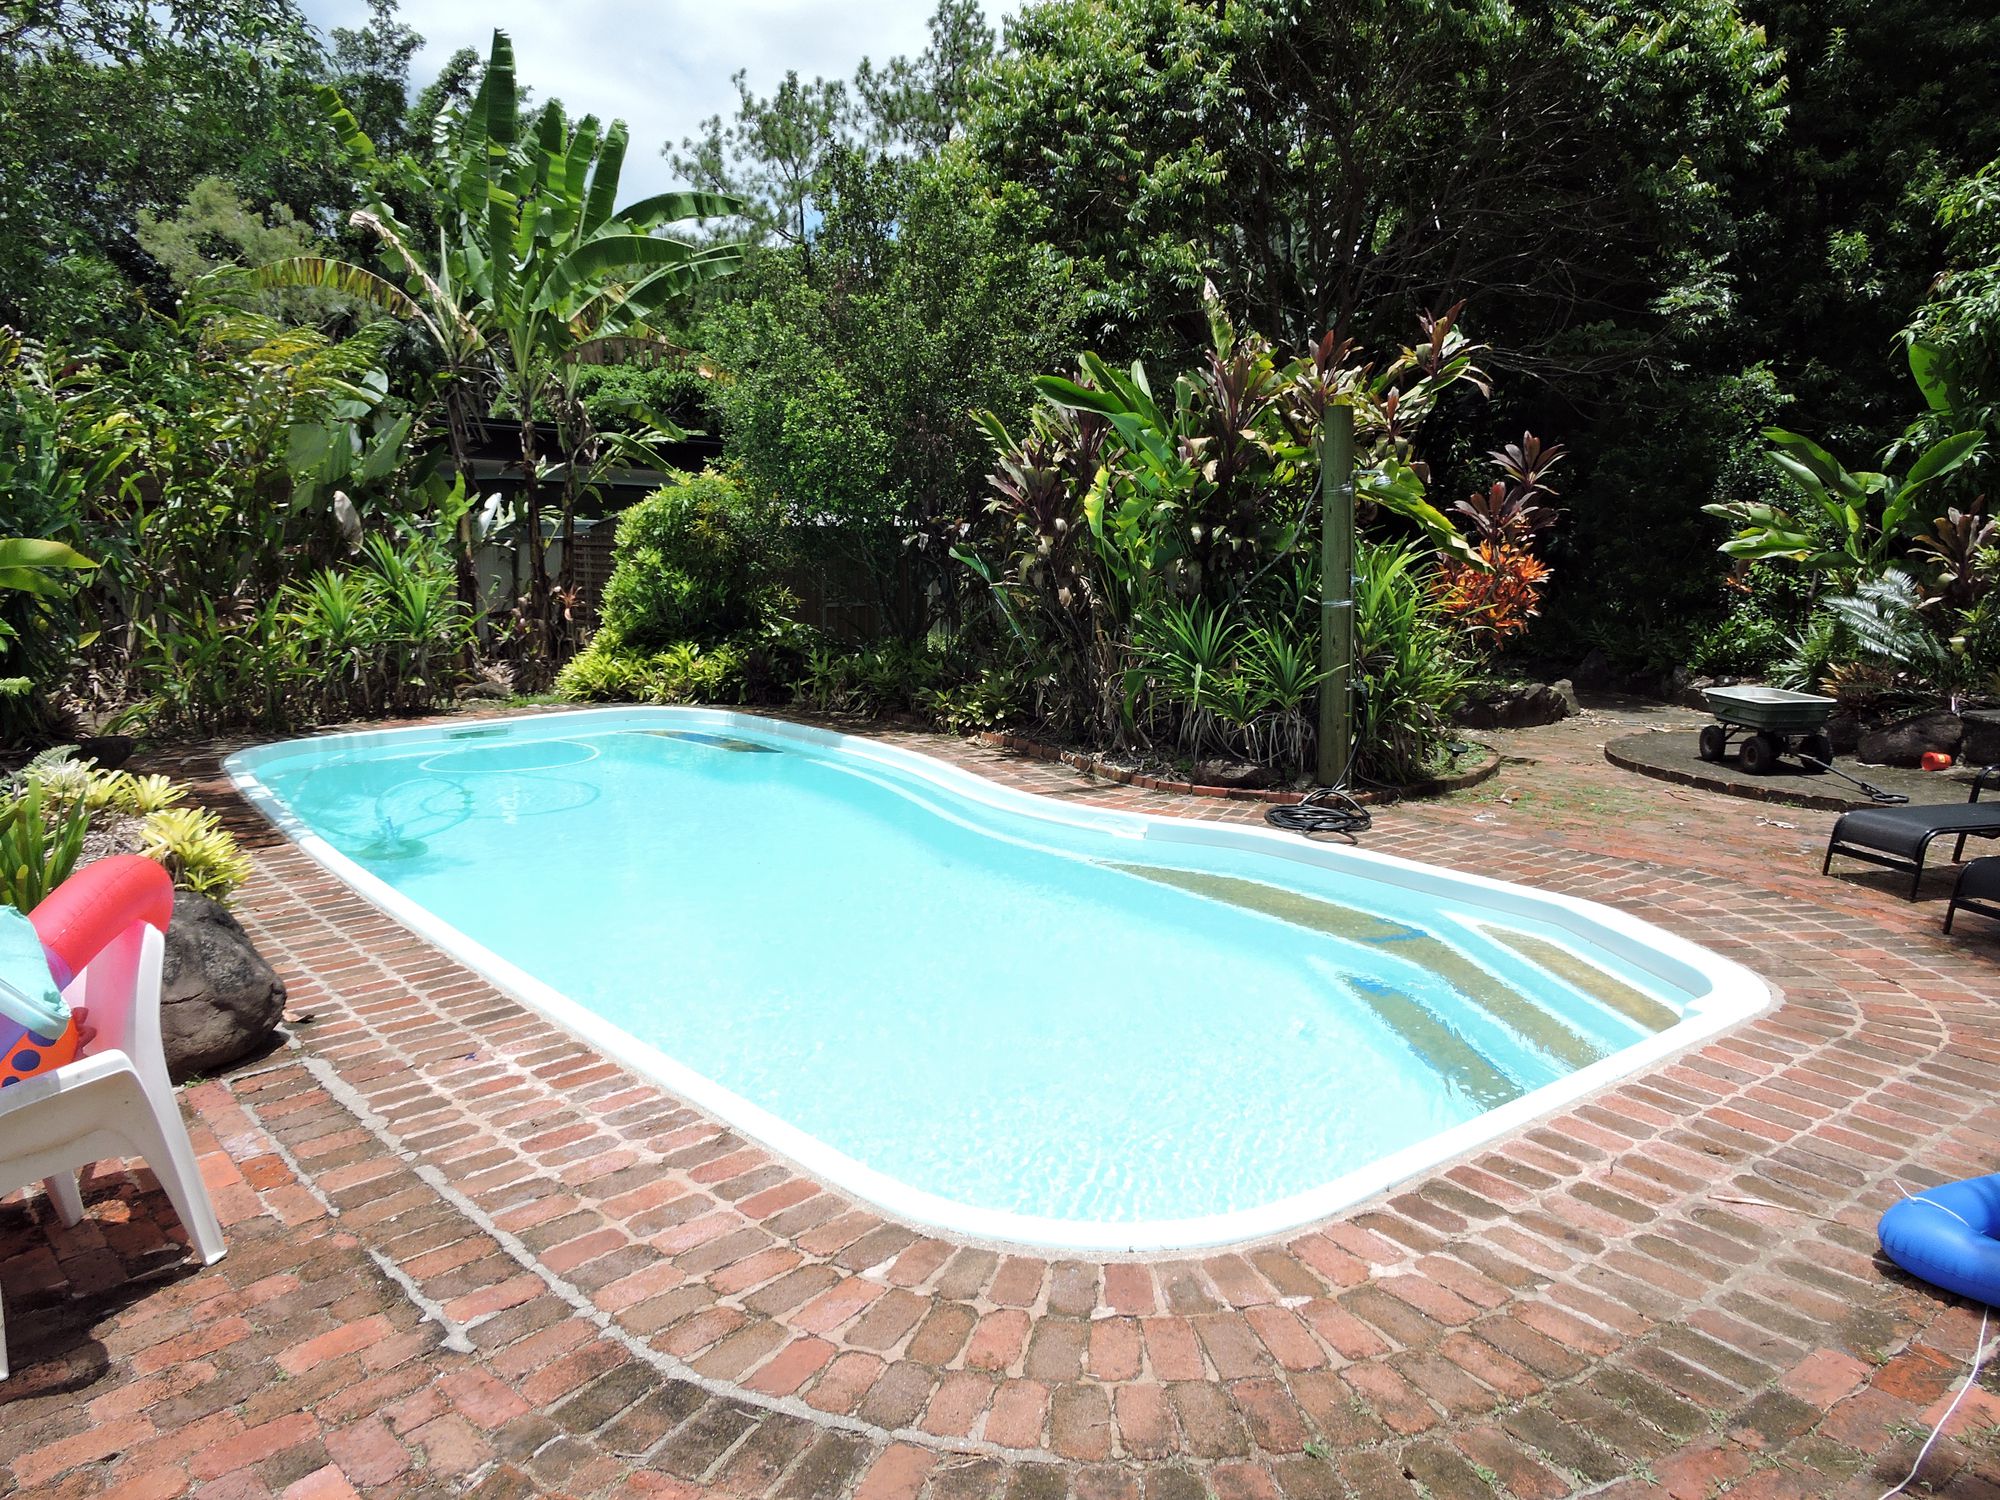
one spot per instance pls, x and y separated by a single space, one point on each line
469 1253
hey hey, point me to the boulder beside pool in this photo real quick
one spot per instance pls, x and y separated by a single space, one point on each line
1945 1235
219 1000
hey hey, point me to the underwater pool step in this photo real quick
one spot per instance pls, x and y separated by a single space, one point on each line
1437 1044
1639 1008
1536 1025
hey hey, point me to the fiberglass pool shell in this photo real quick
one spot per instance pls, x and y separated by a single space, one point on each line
980 1009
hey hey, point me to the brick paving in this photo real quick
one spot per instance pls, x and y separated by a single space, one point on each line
468 1253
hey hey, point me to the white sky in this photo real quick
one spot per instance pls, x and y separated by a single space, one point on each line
662 66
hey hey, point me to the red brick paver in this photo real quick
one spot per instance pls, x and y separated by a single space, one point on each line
467 1253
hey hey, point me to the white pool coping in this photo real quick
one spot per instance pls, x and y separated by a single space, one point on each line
1727 992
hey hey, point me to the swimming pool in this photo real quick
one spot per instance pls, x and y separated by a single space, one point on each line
982 1009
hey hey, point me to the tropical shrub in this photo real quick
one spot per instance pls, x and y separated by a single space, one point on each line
687 672
997 696
890 677
1409 664
1903 576
1852 525
695 561
50 808
1228 685
383 635
1152 553
928 293
41 839
195 848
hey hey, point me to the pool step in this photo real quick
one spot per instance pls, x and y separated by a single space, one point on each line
1536 1025
728 742
1437 1044
1641 1009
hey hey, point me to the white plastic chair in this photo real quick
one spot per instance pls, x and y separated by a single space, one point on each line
113 1101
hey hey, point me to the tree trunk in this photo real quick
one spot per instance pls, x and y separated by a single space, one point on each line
536 663
465 547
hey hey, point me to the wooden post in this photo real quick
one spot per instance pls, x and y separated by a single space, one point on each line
1336 593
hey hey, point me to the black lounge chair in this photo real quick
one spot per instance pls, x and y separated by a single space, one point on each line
1978 890
1900 837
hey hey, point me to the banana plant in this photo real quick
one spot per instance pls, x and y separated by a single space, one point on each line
42 569
36 565
535 261
1851 525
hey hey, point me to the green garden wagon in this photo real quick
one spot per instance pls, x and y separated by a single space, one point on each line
1774 722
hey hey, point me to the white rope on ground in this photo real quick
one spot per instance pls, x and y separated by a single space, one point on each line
1981 1352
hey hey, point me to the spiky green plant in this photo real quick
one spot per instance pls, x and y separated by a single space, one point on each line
143 795
40 843
196 850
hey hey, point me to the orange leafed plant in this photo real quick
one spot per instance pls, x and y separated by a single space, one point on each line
1498 594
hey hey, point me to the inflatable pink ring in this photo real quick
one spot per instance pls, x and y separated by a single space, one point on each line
95 905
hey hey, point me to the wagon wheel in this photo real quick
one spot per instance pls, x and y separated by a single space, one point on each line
1714 740
1817 751
1759 754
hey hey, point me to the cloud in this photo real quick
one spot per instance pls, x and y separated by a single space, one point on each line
662 67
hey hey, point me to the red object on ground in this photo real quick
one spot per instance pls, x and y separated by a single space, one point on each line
1936 760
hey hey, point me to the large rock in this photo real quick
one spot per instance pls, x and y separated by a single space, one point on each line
1236 773
1845 728
1516 705
1904 742
219 1000
1595 674
1981 746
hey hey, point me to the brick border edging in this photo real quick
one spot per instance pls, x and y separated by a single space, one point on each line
1675 776
1097 767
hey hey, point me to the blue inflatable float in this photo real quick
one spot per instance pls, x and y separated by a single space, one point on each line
1947 1235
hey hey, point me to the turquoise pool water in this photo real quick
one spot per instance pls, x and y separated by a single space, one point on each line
1009 1017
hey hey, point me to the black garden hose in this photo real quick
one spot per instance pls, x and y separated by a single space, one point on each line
1875 793
1330 809
1326 809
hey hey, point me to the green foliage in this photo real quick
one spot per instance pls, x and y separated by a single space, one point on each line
1225 685
1888 634
686 672
1855 523
213 227
110 109
646 398
1889 102
40 844
696 561
49 468
1410 666
894 677
1127 530
921 103
537 273
384 636
770 154
1954 339
1773 602
997 696
196 850
215 457
1292 153
1655 452
52 805
848 390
